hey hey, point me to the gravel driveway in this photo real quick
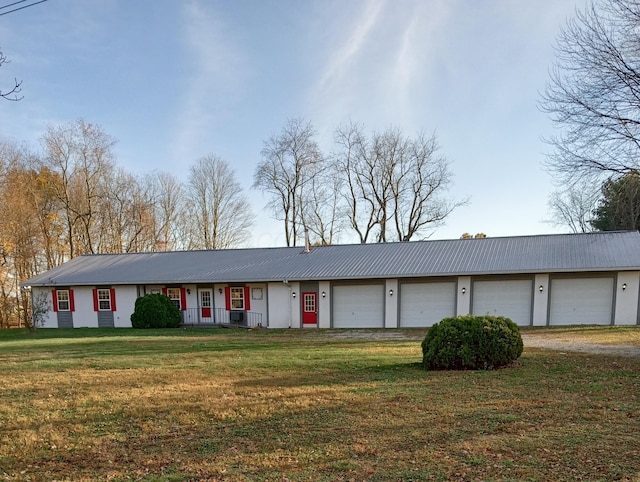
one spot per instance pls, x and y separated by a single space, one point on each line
531 340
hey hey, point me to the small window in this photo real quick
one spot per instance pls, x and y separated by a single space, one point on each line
63 300
104 299
174 294
237 298
205 299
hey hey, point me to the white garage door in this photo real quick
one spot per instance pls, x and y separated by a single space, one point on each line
423 304
581 301
510 298
358 306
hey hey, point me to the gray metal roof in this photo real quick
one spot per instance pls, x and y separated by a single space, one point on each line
511 255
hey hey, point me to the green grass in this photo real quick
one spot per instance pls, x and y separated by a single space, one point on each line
220 404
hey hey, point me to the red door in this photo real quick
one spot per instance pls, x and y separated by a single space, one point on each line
309 308
205 305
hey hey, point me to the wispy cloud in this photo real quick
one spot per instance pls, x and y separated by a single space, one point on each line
343 58
214 74
379 60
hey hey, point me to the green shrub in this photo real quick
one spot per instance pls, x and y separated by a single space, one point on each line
471 342
155 311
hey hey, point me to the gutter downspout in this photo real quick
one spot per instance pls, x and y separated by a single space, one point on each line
286 283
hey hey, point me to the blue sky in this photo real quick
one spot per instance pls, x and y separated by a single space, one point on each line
174 81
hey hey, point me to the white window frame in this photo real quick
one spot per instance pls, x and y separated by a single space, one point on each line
61 300
237 297
175 295
104 299
206 299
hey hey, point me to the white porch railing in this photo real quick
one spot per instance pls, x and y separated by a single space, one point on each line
220 316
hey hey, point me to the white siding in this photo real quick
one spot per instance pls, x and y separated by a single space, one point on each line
324 305
50 317
391 303
258 294
358 306
463 305
84 316
510 298
540 299
282 313
125 305
423 304
581 301
627 298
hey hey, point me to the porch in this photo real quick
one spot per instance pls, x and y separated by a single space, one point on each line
193 317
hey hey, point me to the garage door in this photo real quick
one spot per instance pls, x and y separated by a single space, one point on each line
358 306
581 301
423 304
510 298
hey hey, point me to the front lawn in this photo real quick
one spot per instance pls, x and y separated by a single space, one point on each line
306 405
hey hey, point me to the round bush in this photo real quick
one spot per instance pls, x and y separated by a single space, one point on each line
471 343
155 311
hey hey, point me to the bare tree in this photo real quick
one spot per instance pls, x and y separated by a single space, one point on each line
168 196
420 179
290 161
40 306
394 186
222 217
593 93
81 154
574 207
126 217
323 212
12 93
363 210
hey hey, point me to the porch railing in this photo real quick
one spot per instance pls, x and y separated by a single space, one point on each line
220 316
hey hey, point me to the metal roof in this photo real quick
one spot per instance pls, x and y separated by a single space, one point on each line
606 251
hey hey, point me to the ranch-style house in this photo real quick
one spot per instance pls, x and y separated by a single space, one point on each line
568 279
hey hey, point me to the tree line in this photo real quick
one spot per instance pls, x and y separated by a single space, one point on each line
593 98
73 199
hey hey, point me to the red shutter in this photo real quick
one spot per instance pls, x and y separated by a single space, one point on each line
164 291
95 299
55 300
227 298
183 299
72 301
247 298
113 299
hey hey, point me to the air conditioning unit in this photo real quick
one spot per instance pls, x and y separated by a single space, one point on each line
236 316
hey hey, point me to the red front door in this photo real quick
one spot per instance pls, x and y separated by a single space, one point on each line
309 308
205 305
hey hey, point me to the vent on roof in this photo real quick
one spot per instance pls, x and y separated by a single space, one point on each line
307 244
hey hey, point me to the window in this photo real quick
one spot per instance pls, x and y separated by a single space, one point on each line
63 300
237 298
309 302
205 297
104 299
174 294
256 293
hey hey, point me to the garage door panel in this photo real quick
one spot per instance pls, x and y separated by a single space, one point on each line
581 301
358 306
510 298
424 304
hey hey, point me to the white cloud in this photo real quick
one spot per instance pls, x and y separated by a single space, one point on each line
342 59
215 74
